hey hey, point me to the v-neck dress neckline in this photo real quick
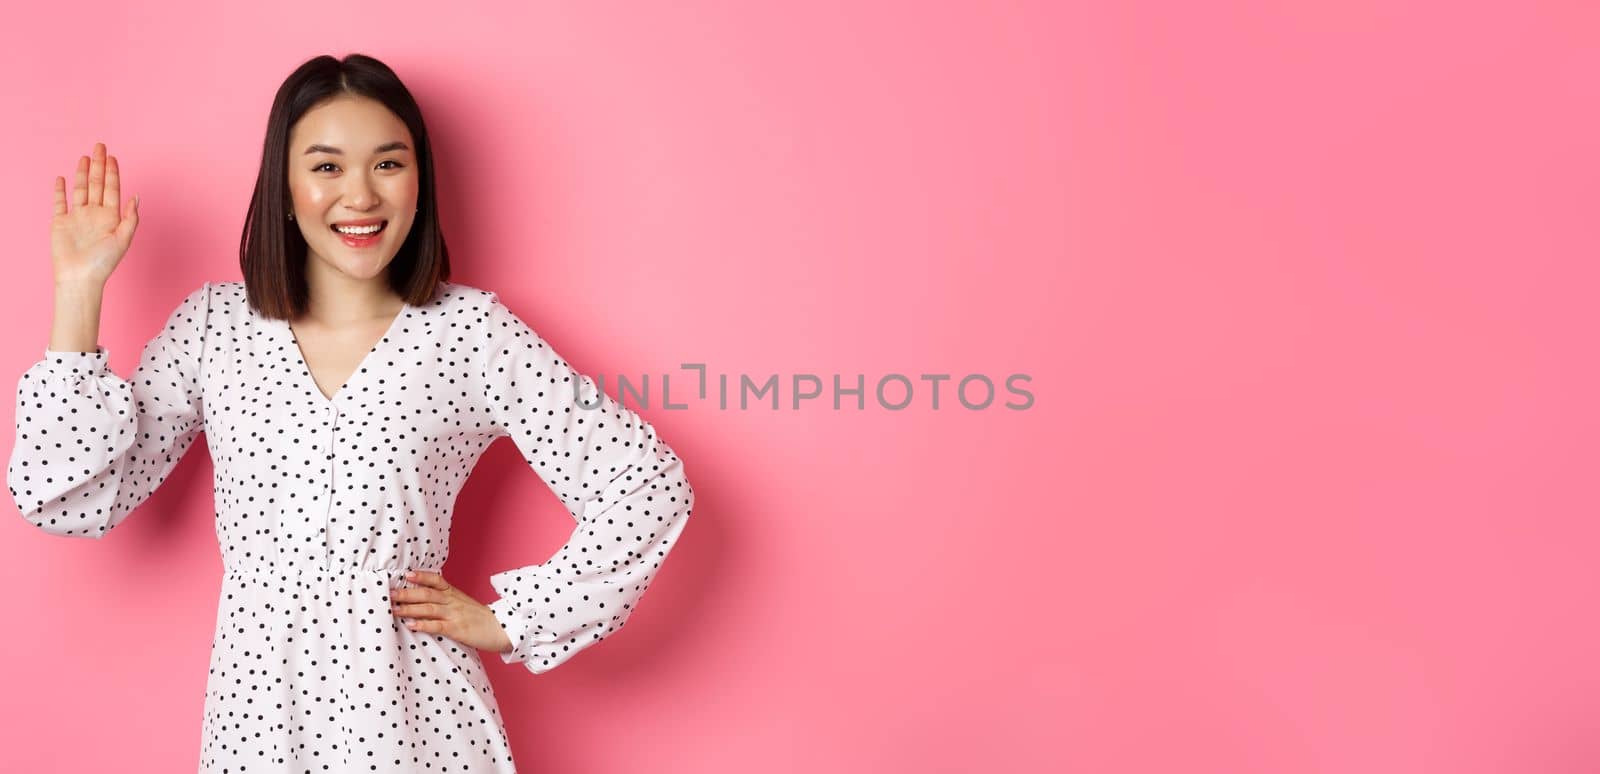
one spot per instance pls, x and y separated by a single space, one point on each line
309 381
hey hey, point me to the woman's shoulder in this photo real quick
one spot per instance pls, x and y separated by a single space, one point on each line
462 293
226 301
479 303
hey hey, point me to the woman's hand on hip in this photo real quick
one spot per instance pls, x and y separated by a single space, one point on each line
437 607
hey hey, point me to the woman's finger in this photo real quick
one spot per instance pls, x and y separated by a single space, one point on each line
419 594
420 610
80 183
97 173
432 580
129 223
113 194
61 195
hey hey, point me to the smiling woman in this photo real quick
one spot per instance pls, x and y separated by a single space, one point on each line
357 194
347 389
345 145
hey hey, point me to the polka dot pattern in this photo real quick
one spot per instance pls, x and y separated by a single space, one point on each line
324 502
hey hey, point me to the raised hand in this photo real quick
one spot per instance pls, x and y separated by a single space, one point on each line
87 242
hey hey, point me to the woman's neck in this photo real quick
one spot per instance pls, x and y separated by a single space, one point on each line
337 299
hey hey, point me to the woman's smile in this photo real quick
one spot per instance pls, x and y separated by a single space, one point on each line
360 233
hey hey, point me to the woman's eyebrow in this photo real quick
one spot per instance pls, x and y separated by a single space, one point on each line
384 148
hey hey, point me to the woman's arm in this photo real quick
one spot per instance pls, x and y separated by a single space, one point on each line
622 484
91 446
87 243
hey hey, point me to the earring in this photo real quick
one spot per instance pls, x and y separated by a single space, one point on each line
291 216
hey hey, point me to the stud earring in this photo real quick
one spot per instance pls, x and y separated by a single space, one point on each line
291 216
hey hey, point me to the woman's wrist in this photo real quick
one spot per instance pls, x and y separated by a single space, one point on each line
76 325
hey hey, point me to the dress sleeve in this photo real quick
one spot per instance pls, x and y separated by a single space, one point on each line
91 446
623 486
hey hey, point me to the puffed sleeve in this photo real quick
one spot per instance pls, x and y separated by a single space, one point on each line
91 446
621 483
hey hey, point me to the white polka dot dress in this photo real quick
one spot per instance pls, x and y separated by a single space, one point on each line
322 505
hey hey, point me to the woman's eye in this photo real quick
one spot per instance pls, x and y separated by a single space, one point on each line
397 165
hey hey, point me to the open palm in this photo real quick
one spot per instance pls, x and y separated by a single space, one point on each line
87 242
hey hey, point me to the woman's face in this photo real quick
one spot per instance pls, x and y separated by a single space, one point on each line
352 163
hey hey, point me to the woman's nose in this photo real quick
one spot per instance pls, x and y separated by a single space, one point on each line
359 193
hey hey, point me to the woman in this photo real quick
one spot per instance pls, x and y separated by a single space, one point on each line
346 388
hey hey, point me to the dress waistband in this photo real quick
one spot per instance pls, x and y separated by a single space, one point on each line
287 572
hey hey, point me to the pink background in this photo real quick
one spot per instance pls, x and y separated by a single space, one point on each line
1306 292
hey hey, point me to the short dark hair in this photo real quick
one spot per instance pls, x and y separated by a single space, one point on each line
272 251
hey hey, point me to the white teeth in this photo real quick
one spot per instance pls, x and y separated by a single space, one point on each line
372 229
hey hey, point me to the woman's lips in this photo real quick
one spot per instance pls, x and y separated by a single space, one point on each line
364 240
